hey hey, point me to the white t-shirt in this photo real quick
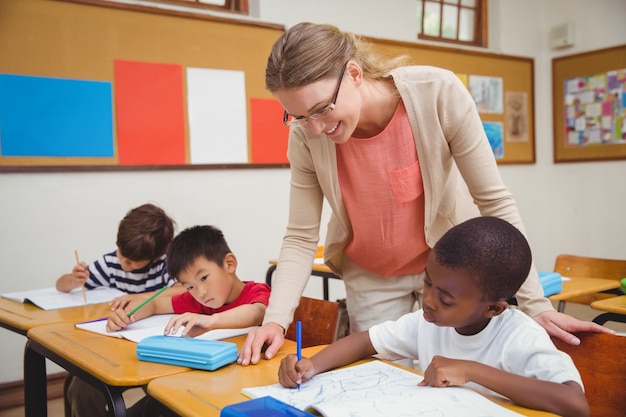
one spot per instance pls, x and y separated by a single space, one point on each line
512 341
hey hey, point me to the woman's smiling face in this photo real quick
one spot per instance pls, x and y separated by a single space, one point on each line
338 124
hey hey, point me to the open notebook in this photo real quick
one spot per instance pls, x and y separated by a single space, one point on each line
51 299
377 389
153 326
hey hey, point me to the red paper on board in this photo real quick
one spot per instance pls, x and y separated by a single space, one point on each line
269 135
150 115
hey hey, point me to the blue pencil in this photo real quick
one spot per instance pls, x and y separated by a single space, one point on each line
299 343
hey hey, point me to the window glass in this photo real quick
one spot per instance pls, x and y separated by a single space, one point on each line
457 21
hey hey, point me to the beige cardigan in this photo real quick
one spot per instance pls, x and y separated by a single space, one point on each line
449 138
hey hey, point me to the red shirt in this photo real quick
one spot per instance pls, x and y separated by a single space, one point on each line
253 292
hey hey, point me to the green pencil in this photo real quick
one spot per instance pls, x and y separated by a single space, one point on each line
152 297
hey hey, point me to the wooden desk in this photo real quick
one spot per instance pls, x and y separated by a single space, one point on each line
582 286
319 270
108 363
202 394
21 317
615 308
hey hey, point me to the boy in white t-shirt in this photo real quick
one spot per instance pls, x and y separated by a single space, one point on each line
465 334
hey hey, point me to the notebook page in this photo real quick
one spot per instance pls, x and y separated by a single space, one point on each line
377 389
51 299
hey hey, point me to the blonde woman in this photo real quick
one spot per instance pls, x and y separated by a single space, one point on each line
400 154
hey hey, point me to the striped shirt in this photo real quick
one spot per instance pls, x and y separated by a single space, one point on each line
107 272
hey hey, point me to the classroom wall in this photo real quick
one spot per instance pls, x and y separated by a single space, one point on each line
576 207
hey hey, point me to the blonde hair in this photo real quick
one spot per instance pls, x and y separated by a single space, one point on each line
309 52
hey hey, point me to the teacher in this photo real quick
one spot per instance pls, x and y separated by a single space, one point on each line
401 156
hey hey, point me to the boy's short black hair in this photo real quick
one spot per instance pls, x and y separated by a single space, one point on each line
494 252
194 242
145 233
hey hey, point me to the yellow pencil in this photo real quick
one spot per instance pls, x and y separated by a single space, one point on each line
83 284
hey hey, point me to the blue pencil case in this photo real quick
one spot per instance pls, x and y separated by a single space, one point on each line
183 351
551 283
262 407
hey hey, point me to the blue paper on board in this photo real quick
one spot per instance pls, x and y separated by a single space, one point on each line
55 117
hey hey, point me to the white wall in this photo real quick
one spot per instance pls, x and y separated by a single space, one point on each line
576 208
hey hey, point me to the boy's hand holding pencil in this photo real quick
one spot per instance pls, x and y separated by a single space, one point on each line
80 273
121 317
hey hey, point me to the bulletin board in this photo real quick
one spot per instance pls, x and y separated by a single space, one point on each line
502 86
589 105
66 53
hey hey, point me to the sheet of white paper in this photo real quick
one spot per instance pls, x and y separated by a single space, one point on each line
51 299
153 326
216 103
377 389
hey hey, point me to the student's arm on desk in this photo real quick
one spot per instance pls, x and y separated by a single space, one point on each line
76 278
565 399
344 351
195 324
119 319
125 300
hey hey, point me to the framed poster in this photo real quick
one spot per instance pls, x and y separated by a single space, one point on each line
589 105
502 87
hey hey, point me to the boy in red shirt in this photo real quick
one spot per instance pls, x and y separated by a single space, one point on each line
200 259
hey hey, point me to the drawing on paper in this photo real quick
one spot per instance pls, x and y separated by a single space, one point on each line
377 389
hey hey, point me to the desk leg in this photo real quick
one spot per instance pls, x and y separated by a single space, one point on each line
115 400
35 389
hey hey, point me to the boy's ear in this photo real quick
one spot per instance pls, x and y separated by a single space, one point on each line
230 262
496 308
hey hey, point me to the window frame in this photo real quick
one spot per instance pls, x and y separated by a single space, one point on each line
233 6
481 23
236 7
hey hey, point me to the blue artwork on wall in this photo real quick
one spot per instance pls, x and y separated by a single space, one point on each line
55 117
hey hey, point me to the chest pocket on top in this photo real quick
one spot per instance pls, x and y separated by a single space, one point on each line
406 183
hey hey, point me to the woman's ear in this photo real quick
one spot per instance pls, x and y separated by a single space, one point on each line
496 308
355 72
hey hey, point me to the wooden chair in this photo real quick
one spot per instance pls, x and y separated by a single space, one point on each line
573 266
320 321
601 361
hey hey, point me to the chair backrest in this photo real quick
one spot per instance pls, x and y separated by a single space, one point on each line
320 320
601 361
582 266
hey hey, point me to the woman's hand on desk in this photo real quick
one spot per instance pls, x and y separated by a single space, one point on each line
562 326
271 334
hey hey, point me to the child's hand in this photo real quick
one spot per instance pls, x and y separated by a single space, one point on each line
291 372
194 324
123 301
118 320
80 273
446 372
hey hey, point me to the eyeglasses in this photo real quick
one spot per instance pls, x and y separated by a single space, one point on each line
321 114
